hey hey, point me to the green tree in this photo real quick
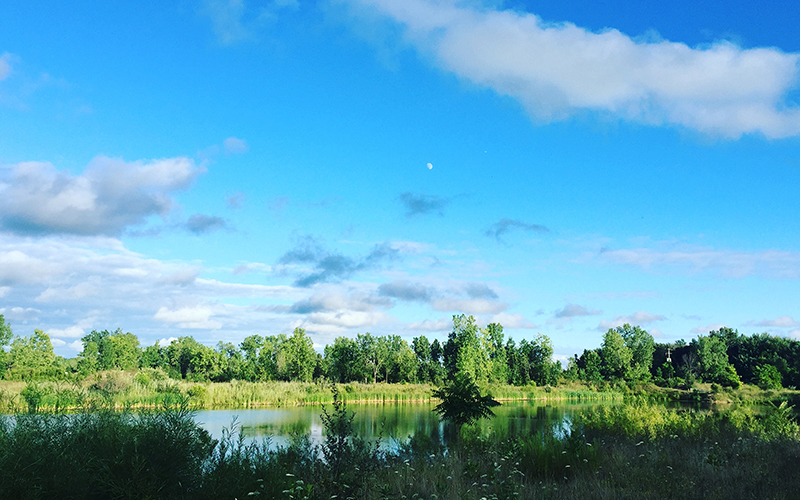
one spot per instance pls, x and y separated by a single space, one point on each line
372 354
768 378
297 356
154 356
492 343
712 356
5 339
341 358
466 355
616 356
462 402
642 347
31 357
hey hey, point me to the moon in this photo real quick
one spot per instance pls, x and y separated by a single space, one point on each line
430 166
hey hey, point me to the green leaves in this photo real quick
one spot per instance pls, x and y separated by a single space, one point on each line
462 402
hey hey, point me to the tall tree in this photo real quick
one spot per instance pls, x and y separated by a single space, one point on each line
5 339
616 355
31 357
642 346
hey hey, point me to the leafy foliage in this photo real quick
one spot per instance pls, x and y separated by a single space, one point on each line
462 402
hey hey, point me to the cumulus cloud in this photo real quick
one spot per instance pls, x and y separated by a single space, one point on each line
728 263
573 310
423 204
111 195
479 291
75 331
515 320
235 146
557 70
503 226
781 322
19 313
406 291
330 266
636 319
199 223
194 317
439 325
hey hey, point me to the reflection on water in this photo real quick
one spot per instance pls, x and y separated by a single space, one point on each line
387 421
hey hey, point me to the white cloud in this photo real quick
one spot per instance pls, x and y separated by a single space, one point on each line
233 21
704 330
5 66
439 325
636 319
19 313
515 320
108 197
795 334
769 263
469 306
235 146
79 291
4 291
781 322
573 310
196 317
557 70
77 330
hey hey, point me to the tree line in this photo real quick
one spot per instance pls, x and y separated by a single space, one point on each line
628 354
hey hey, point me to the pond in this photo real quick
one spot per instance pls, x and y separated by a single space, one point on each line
385 421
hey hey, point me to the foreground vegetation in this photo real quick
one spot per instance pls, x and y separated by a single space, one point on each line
635 451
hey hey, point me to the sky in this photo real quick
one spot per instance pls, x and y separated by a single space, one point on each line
224 168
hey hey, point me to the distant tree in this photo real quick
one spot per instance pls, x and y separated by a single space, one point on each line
591 365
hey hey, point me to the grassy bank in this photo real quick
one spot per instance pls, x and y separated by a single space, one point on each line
151 388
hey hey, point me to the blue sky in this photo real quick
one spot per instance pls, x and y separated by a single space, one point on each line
227 167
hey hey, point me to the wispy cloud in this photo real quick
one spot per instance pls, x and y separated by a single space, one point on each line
331 266
768 263
5 66
110 196
234 21
636 319
557 70
781 322
503 226
199 223
234 146
704 330
573 310
423 204
407 291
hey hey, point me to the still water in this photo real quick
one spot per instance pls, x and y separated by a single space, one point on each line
385 421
